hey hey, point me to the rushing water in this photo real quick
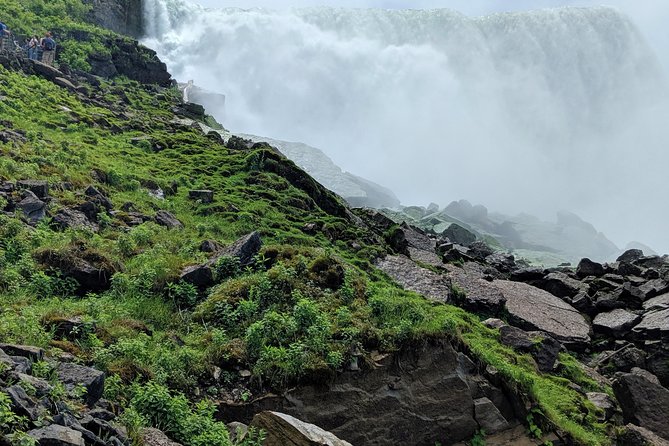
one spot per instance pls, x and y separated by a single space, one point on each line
534 111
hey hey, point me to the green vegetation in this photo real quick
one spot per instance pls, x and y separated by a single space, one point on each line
306 306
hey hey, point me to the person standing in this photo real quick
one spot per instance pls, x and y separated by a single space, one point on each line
48 49
4 36
33 48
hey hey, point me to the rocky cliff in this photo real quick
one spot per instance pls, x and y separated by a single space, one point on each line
122 16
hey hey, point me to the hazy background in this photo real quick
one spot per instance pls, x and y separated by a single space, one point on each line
533 112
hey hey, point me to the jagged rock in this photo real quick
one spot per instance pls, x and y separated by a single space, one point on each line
587 267
502 261
638 436
35 354
480 295
624 359
583 303
543 348
38 187
653 288
91 269
42 388
22 404
529 274
68 420
416 278
603 402
168 220
616 323
93 380
654 325
55 435
630 256
285 430
480 250
103 429
71 328
155 437
458 234
245 249
657 303
561 285
494 323
238 431
628 269
454 253
101 414
489 417
416 396
535 309
202 276
643 400
32 207
73 218
205 196
210 246
98 197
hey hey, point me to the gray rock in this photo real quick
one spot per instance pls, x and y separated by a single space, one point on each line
416 278
643 401
202 276
502 261
155 437
561 285
93 380
22 404
480 295
604 402
489 417
616 323
32 207
38 187
204 196
624 359
654 325
283 429
55 435
168 220
42 387
587 267
33 353
657 303
210 246
458 234
630 255
534 309
73 218
639 436
245 249
543 348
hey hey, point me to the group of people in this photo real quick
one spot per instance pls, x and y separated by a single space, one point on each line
43 49
35 48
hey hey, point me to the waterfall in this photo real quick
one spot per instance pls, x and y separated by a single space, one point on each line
532 111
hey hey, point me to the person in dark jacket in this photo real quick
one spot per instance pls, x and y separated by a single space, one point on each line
48 49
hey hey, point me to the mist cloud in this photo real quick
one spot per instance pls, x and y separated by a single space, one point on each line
539 112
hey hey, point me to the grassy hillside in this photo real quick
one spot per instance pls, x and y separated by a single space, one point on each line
300 311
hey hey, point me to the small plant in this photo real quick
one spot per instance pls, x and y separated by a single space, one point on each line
534 430
478 439
183 294
9 421
227 267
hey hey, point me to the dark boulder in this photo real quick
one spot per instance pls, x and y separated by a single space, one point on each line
69 218
283 429
245 249
155 437
633 435
503 262
32 208
91 269
72 375
488 416
643 400
202 276
204 196
168 220
630 256
587 267
210 246
22 404
615 323
38 187
35 354
458 234
543 348
56 435
561 285
624 359
654 325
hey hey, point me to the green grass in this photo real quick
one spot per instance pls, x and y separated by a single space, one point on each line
299 313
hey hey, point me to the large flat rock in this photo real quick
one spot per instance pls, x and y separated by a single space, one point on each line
415 278
536 309
654 325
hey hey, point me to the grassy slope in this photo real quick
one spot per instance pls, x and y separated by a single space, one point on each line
311 301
